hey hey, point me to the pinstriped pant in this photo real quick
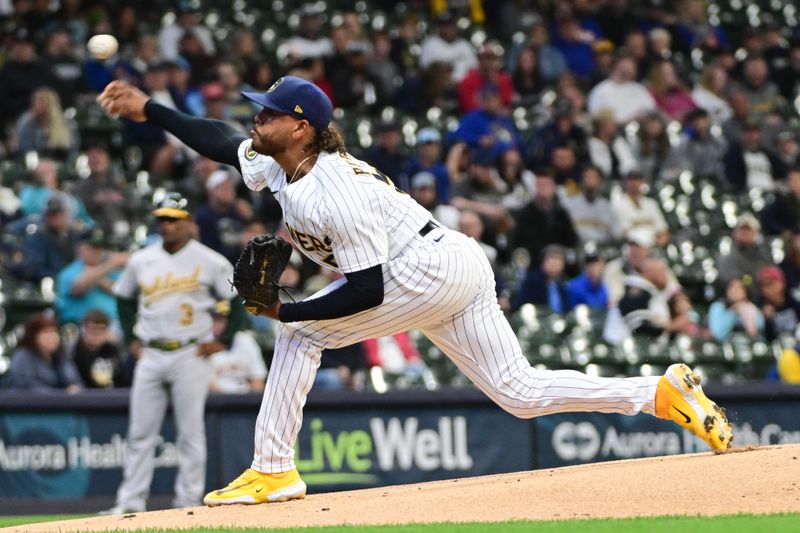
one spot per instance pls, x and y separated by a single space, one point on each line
443 286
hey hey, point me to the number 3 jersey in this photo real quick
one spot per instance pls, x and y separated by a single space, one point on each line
176 292
344 214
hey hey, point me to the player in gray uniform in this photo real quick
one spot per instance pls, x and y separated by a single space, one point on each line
402 271
169 290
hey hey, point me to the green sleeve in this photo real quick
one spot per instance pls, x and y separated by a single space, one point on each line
235 321
126 308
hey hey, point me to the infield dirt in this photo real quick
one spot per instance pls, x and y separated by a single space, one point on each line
746 480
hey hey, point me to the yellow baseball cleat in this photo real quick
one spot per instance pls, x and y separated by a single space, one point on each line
680 398
255 487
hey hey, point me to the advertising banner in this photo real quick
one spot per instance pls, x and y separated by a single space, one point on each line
69 456
577 438
368 448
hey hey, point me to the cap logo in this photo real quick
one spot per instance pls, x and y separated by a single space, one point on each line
276 84
298 109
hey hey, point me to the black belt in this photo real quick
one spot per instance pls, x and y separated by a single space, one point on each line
170 345
428 227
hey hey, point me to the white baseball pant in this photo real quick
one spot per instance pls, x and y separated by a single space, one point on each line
179 377
442 285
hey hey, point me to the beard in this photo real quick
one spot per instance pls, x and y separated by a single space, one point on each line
265 145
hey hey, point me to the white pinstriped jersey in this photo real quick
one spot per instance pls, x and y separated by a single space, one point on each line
344 214
176 292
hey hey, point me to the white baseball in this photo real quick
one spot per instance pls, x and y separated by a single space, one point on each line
103 46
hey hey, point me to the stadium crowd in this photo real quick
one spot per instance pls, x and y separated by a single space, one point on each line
631 169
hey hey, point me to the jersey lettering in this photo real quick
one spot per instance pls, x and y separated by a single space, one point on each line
170 285
314 245
360 168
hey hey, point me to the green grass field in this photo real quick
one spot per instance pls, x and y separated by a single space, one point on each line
721 524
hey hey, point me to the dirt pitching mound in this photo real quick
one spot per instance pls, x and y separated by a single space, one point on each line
755 480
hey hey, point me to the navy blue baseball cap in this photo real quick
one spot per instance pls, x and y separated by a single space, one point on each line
297 97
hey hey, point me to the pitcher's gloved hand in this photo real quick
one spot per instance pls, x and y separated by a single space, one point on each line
258 270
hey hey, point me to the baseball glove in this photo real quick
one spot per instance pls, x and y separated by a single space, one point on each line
258 269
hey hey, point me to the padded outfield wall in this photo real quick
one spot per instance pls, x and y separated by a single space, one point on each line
64 453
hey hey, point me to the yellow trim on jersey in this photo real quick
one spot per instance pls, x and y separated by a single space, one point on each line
249 153
171 212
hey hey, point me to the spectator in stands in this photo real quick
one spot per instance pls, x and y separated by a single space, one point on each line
788 149
381 67
423 190
216 106
471 225
591 213
526 78
21 74
429 159
237 108
433 86
488 127
762 94
550 61
575 44
482 190
635 210
187 21
684 320
85 284
745 258
735 313
543 284
651 147
788 77
780 309
308 41
608 150
39 362
561 130
71 15
636 45
33 197
621 93
543 221
488 71
396 355
52 246
158 148
105 192
603 61
239 368
669 93
782 215
749 164
187 97
520 182
565 169
733 127
97 353
699 151
45 129
341 368
710 93
643 305
637 250
220 221
354 85
62 62
387 154
191 48
447 47
588 288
